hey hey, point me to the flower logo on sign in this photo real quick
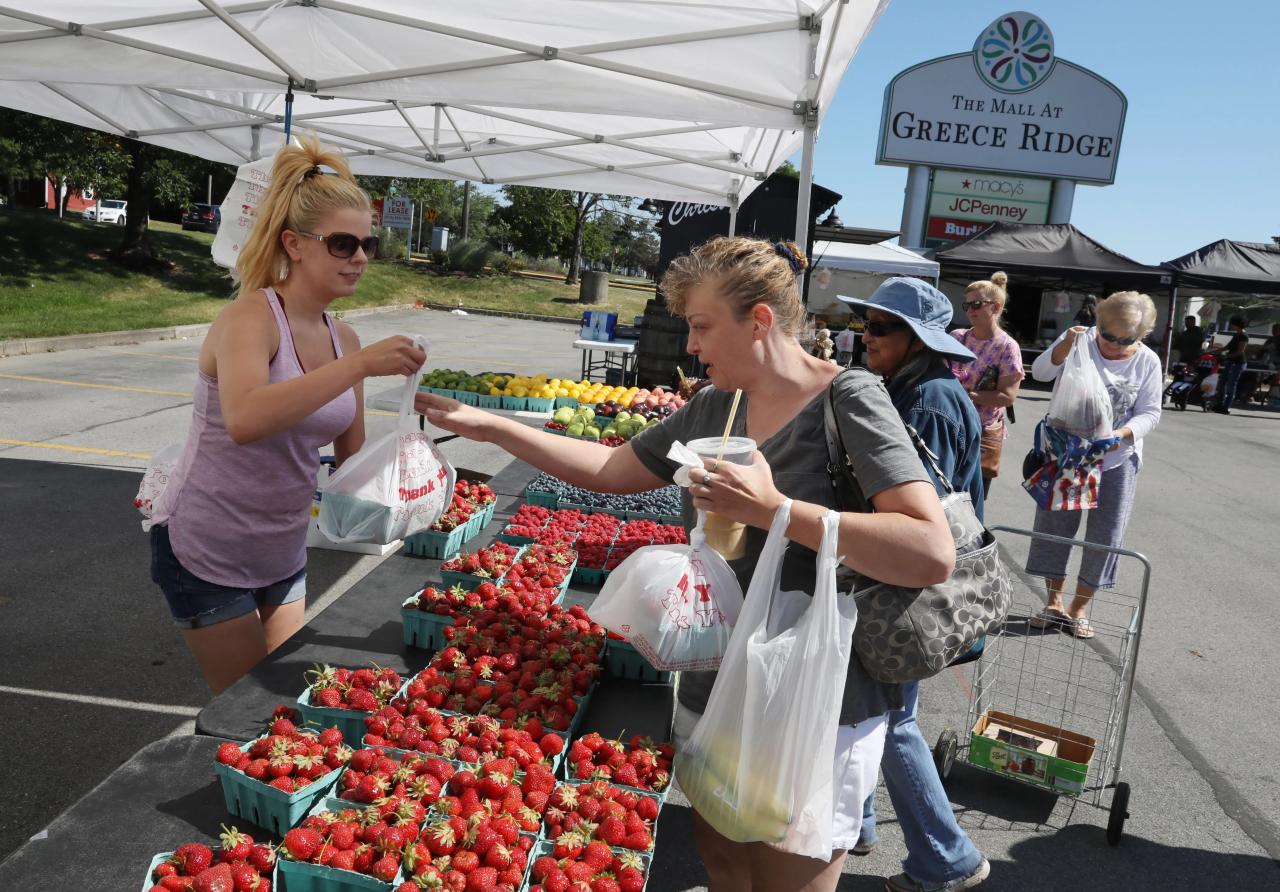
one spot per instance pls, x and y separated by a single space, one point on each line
1014 53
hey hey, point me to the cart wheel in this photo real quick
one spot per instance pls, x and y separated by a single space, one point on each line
1119 813
944 752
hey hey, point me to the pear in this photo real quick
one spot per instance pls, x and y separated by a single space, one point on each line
564 415
592 431
574 430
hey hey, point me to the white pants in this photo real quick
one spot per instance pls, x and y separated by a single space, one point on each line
855 771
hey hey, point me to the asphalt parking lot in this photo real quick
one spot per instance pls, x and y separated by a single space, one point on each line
92 669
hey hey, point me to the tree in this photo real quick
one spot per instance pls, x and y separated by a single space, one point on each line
75 157
155 174
537 222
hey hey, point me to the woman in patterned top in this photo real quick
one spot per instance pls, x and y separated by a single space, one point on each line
992 380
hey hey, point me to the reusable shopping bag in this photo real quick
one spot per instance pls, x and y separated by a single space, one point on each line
759 765
395 486
676 604
239 208
1080 404
160 486
1070 475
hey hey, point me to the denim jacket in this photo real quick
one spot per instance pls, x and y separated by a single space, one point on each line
940 410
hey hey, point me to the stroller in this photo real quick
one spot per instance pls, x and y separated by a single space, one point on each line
1194 384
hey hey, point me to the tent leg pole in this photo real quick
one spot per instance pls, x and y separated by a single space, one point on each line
288 114
255 147
806 186
733 217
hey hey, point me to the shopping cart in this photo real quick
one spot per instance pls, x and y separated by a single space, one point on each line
1048 709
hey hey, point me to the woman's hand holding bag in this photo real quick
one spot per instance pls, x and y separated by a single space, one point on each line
395 486
758 767
676 604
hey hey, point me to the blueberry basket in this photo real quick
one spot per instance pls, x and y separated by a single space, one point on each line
624 661
271 809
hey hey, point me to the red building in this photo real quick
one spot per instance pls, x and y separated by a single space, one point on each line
43 193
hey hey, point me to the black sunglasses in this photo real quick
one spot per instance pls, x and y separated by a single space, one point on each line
1123 342
343 245
976 304
878 328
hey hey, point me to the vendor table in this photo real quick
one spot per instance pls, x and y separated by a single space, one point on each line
619 355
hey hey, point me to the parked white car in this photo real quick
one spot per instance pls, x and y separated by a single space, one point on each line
110 211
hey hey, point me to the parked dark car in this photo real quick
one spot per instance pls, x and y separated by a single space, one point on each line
204 217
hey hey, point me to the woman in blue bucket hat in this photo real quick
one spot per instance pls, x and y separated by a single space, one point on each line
906 340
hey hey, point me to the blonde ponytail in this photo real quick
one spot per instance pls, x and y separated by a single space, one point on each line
301 193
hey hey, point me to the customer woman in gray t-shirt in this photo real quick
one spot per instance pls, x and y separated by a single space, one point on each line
742 300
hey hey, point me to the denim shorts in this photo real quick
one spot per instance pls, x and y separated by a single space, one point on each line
196 603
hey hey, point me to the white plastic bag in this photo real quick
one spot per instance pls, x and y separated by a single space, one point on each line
759 765
239 208
160 485
395 486
676 604
1080 403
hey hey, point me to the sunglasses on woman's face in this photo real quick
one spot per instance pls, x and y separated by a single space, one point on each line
878 328
976 304
343 245
1123 342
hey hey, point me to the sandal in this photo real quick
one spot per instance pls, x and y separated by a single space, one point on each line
1080 627
1050 616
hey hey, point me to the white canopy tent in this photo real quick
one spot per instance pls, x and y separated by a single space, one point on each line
851 270
667 99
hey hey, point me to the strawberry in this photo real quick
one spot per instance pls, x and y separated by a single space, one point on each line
300 844
229 753
214 879
482 879
385 868
245 877
193 858
263 858
236 846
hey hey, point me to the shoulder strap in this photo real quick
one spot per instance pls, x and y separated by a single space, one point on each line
930 459
844 481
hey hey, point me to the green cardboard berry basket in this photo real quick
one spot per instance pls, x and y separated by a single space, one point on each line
271 809
349 721
624 661
436 544
563 401
302 876
547 847
590 575
489 402
468 581
540 403
467 397
542 499
515 403
422 630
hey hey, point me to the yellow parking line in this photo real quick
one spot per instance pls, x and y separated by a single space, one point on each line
87 450
120 387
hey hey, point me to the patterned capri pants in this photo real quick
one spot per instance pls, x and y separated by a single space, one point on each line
1106 526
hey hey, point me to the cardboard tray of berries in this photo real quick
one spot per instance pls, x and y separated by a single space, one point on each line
633 828
469 580
438 544
423 630
267 806
638 766
542 499
624 661
625 871
297 875
241 873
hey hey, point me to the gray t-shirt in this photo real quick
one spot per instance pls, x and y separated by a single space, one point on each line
882 456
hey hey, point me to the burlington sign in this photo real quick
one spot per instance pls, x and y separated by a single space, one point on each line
1009 105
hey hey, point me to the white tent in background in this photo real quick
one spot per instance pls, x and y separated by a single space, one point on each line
668 99
851 270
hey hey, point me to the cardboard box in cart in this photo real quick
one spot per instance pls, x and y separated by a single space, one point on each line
1031 752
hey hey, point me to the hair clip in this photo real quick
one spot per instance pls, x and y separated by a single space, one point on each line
315 171
788 255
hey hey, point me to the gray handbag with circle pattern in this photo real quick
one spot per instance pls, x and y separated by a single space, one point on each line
908 634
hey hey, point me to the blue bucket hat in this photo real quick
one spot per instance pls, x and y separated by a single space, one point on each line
926 309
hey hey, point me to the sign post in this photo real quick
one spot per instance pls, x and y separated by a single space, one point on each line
397 213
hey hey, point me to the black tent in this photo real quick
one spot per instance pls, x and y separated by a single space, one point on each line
1232 267
1055 251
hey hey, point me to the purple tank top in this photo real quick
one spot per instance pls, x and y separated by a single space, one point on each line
242 513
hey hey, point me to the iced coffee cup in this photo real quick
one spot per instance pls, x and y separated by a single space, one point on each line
725 536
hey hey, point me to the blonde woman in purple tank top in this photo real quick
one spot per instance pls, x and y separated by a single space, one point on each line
279 380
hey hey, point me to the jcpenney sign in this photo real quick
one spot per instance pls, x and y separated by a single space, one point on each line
1010 105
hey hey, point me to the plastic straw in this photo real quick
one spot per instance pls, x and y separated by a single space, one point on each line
733 411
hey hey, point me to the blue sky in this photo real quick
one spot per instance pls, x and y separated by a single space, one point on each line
1200 157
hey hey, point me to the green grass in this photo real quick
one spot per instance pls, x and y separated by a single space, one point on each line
56 279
